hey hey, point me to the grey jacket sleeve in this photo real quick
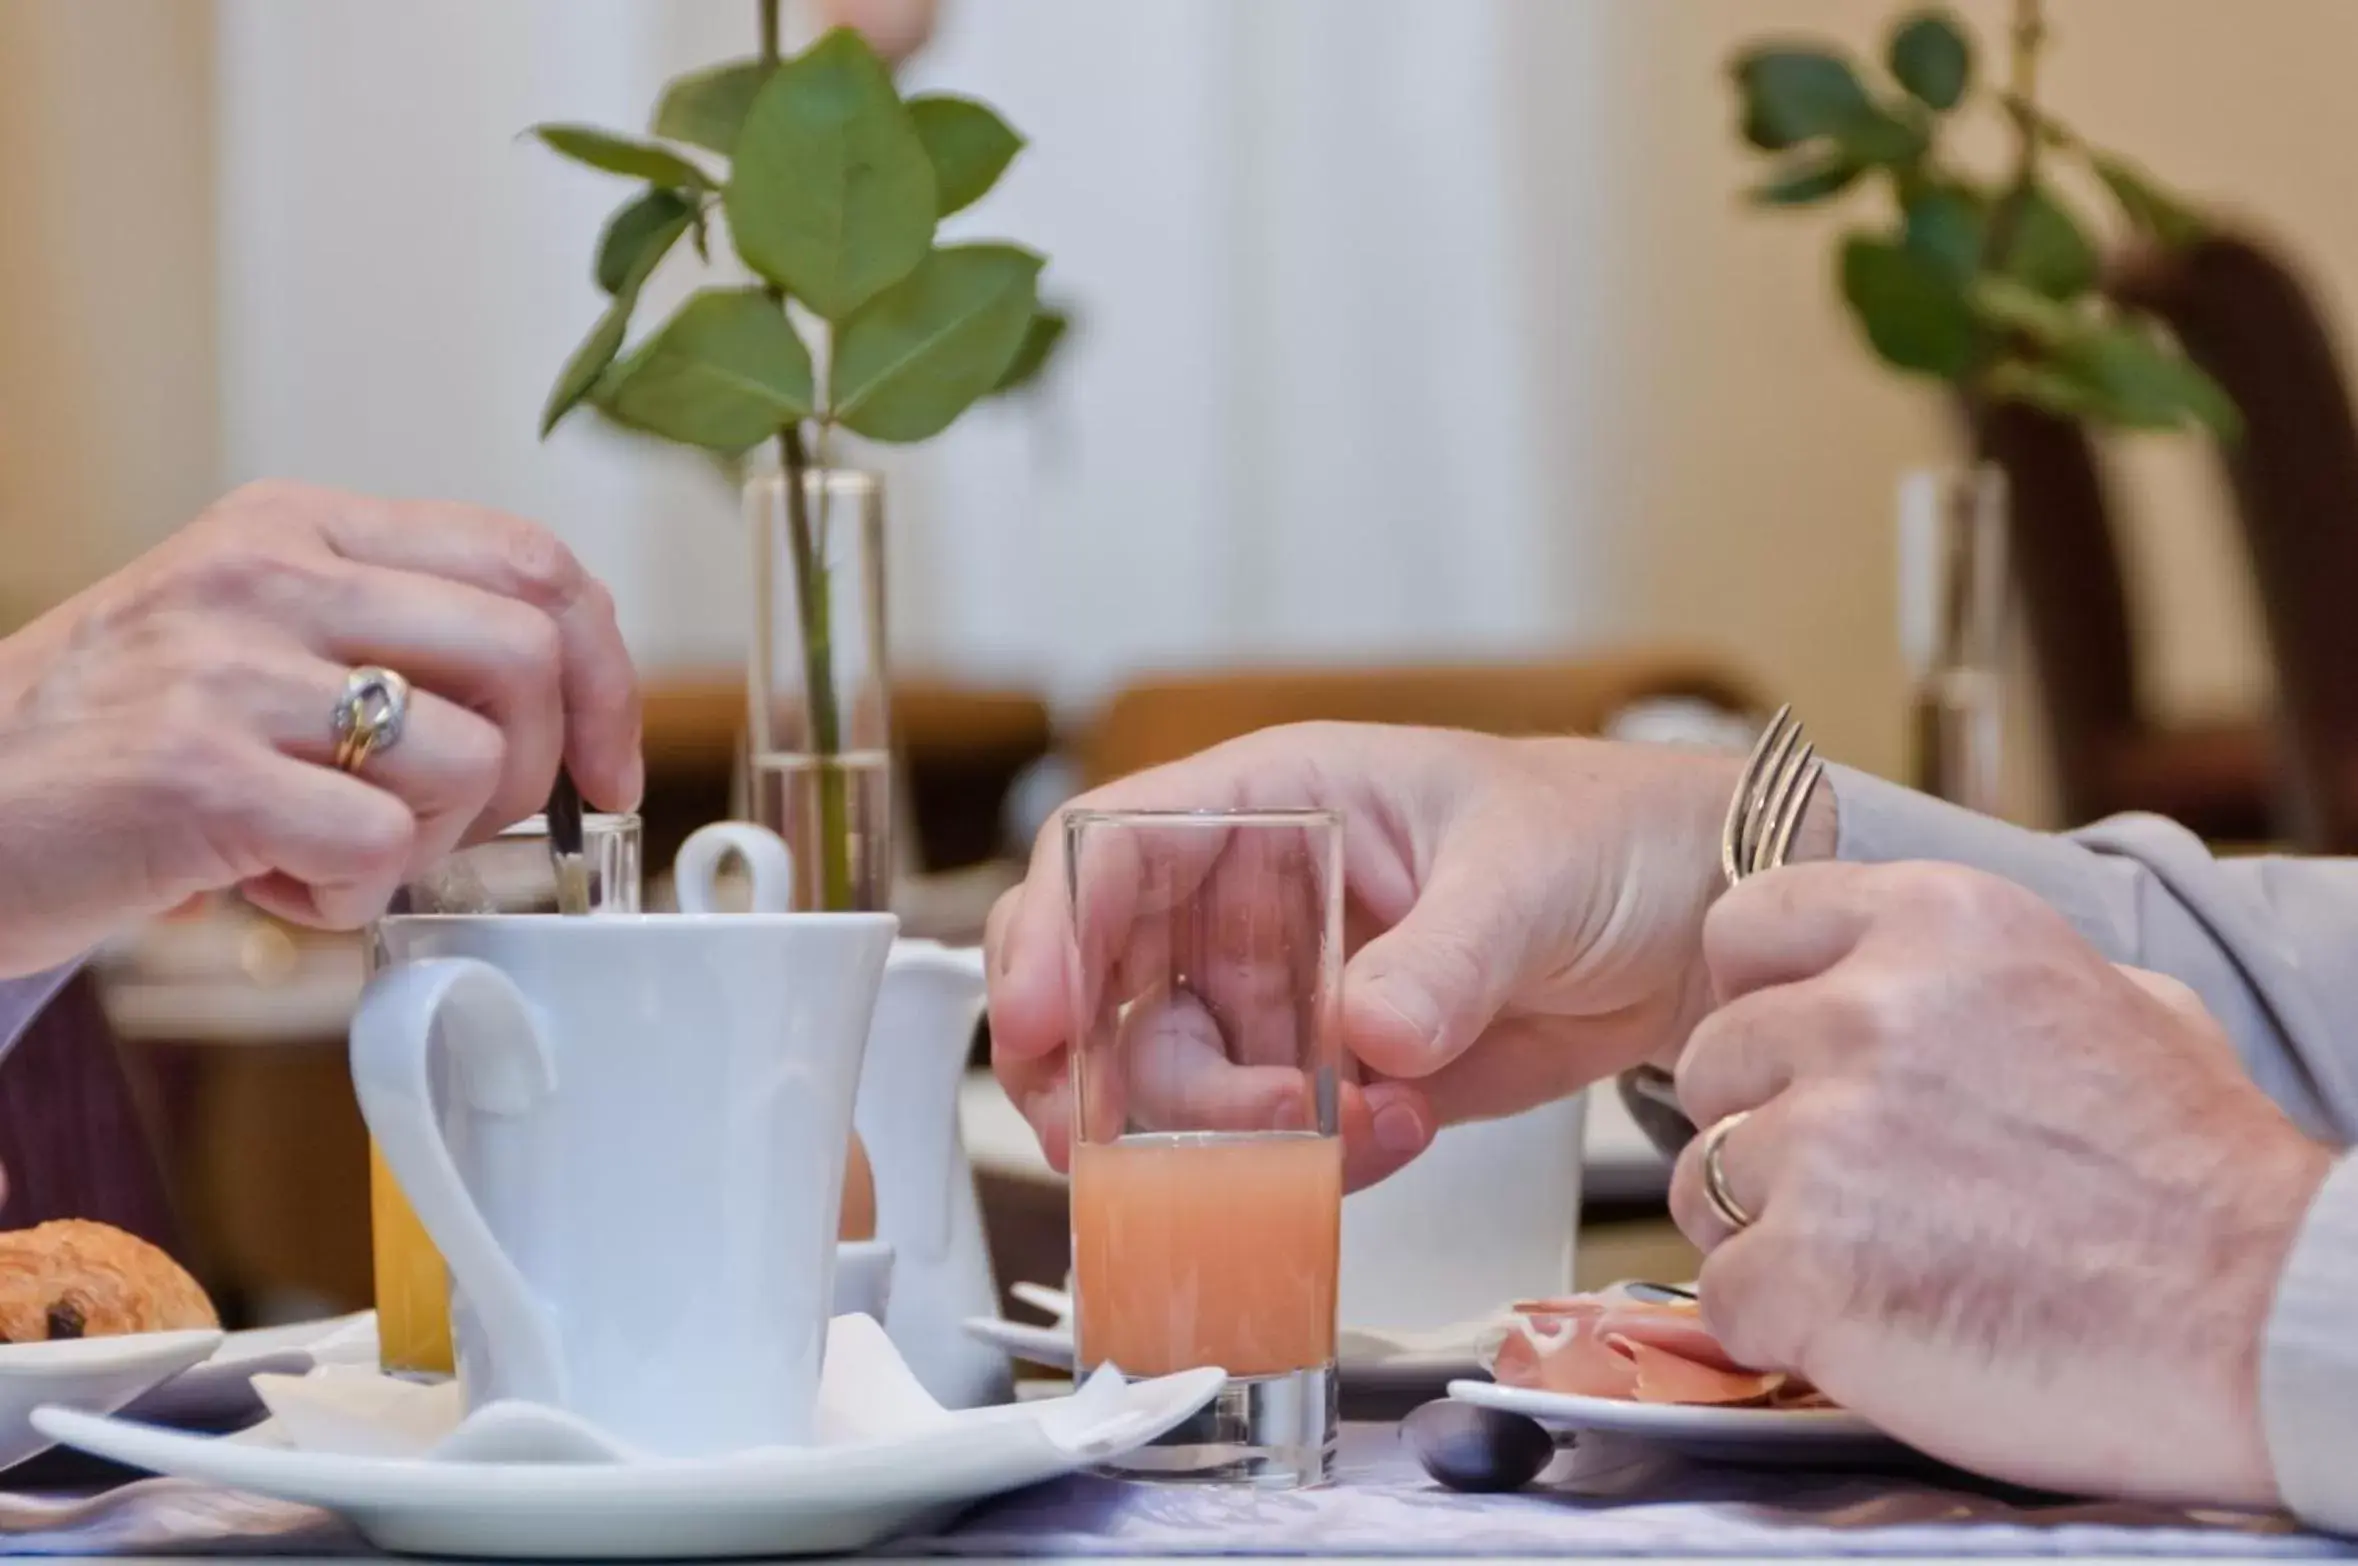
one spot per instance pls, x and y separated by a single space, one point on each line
2271 945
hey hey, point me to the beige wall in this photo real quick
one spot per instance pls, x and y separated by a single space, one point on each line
1761 444
1750 457
108 427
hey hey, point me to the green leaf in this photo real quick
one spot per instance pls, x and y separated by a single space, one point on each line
725 371
920 353
831 196
2057 390
970 147
2150 210
1794 94
706 109
621 155
2049 250
637 237
1883 139
2018 308
1040 340
1945 224
1932 58
2147 383
1913 311
1807 178
588 362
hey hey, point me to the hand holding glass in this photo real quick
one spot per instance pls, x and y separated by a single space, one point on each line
1207 1171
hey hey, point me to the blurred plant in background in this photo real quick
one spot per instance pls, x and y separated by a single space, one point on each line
1989 283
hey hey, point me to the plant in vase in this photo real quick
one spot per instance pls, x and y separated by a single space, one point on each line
830 187
1989 283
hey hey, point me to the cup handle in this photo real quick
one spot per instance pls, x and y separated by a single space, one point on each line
503 1068
695 874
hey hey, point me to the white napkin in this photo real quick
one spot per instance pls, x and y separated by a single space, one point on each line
866 1393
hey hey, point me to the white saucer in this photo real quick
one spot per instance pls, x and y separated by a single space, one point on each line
811 1500
96 1374
219 1388
1740 1435
176 1378
1366 1359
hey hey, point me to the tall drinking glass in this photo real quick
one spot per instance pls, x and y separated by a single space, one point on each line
509 874
1207 1173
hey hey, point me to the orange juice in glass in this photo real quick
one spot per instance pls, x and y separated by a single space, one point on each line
1207 1176
510 873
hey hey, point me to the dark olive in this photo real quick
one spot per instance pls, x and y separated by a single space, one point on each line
1479 1450
66 1320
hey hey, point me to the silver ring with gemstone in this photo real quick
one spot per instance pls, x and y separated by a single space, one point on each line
369 715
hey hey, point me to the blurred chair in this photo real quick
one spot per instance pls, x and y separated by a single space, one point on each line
2246 317
1161 719
2111 753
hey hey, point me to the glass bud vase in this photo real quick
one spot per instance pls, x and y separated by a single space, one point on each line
1953 592
819 741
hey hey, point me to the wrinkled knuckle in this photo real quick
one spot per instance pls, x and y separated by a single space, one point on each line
1871 1007
1702 1067
247 575
1953 895
380 840
194 762
1455 965
539 568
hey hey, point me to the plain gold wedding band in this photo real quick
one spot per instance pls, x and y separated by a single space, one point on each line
1715 1174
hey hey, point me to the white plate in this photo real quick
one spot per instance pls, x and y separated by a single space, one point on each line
1742 1435
98 1375
1365 1360
822 1499
219 1389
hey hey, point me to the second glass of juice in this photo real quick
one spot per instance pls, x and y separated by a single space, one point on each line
511 873
1207 1173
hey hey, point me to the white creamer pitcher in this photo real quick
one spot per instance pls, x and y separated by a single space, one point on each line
927 1209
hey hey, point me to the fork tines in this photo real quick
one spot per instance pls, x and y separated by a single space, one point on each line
1771 795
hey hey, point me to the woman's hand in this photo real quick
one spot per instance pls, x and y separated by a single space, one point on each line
1523 918
2019 1207
169 731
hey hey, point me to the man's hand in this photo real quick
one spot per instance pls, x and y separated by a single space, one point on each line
1522 918
168 732
2018 1207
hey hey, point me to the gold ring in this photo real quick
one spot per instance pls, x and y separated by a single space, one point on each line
369 715
1715 1174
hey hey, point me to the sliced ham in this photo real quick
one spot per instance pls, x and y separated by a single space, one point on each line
1614 1345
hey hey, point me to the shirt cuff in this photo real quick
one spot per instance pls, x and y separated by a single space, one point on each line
2309 1362
1877 822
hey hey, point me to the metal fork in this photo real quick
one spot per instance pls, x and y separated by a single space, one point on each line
1771 796
1770 799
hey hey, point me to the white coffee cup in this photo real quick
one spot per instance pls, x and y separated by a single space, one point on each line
625 1133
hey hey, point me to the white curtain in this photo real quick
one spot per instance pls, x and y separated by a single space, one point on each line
1326 398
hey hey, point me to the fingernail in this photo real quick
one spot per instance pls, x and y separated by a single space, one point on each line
634 782
1414 1008
1398 1130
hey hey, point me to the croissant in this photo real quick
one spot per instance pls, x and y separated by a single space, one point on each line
76 1279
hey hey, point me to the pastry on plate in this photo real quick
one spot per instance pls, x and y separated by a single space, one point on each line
76 1279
